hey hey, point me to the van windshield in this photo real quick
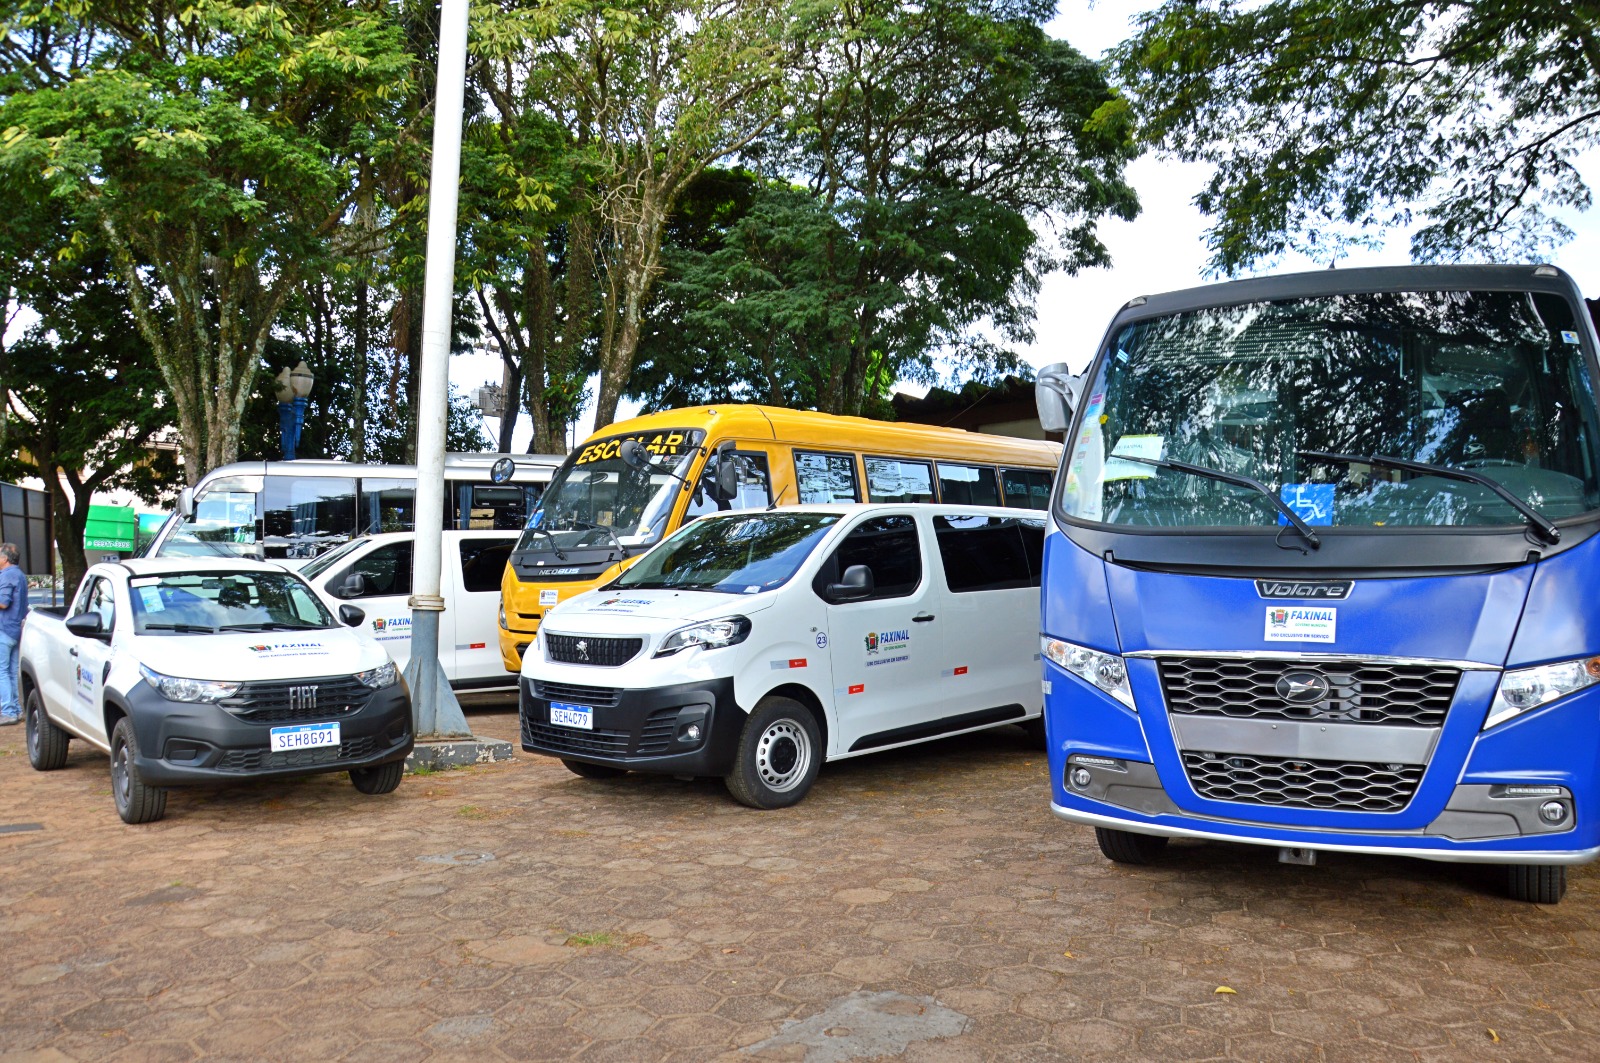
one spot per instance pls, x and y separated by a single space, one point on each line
743 554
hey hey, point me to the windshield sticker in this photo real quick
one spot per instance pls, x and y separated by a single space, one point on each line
151 597
793 662
1568 336
1134 447
662 445
549 597
290 649
754 588
1289 623
1312 503
144 581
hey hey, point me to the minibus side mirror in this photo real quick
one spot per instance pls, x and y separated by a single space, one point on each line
87 625
854 585
634 456
1054 393
725 477
354 586
186 503
351 615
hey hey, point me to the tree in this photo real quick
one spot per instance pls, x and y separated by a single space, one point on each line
1331 122
215 148
927 141
83 401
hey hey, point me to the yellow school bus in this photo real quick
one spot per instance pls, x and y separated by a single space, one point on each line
627 487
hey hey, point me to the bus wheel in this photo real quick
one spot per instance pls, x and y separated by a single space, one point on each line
593 771
1034 729
779 754
1536 883
1126 847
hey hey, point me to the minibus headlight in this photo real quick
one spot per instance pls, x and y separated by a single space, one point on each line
1524 689
1106 671
710 635
174 688
503 625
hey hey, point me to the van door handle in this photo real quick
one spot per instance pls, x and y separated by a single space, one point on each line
73 651
923 619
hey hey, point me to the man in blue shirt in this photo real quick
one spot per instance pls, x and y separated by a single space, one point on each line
13 610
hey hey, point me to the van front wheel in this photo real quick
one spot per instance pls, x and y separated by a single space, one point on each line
780 751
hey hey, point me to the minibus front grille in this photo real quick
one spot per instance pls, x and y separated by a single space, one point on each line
1322 689
1291 783
591 649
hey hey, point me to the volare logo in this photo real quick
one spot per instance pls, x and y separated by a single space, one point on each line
1312 590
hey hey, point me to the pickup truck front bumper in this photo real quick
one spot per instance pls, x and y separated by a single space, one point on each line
190 743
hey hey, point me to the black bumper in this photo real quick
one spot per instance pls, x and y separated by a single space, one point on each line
184 743
639 730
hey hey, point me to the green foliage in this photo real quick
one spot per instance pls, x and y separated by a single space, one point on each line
1331 122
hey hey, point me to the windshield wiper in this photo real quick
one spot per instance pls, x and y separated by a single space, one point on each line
1239 480
553 544
188 629
1547 531
605 528
271 625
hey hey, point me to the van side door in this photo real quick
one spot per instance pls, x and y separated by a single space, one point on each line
479 564
379 582
991 569
885 647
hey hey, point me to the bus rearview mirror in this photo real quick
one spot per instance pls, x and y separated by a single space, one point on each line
1054 393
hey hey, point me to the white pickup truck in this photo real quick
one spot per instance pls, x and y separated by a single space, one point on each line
189 671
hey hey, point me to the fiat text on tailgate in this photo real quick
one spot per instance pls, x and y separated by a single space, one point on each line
205 672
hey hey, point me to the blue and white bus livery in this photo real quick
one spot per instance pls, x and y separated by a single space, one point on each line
1315 574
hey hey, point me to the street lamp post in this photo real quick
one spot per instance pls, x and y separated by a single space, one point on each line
292 387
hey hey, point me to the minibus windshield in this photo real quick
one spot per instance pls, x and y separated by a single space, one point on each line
743 554
1493 383
597 499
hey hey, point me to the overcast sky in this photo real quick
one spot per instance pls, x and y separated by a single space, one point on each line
1161 250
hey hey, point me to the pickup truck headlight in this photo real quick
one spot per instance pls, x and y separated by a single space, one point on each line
1524 689
174 688
709 634
379 677
1106 671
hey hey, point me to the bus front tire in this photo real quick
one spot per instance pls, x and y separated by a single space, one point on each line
780 751
1536 883
1126 847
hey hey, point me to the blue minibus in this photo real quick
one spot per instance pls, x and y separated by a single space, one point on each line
1321 571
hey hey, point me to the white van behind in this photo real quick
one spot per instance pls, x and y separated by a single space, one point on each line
374 573
755 645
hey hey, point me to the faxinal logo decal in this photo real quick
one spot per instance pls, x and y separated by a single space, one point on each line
1279 617
887 641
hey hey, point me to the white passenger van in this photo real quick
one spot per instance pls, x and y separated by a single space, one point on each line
755 645
374 573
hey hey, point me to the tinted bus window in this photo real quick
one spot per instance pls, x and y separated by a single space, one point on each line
303 517
755 489
1026 488
968 485
826 477
989 553
388 505
897 480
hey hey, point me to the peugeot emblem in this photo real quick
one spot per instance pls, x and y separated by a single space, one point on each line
583 651
1302 688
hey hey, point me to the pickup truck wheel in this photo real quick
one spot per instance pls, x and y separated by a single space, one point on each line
137 801
779 754
380 780
1536 883
47 743
593 771
1126 847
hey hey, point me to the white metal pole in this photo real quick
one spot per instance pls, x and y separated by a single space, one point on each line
437 714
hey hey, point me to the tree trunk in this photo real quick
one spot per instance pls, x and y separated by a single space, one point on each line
358 372
69 527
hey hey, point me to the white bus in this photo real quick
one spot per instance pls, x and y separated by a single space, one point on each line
294 510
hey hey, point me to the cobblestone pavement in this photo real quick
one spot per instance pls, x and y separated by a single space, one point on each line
922 904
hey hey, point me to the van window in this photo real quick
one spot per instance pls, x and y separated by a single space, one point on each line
387 570
897 480
305 515
755 489
824 478
1026 488
968 485
989 553
483 563
886 545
